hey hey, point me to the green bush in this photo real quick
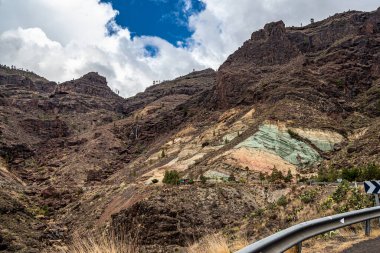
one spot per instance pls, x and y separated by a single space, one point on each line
276 176
341 192
203 179
327 204
289 177
328 175
351 174
308 196
258 212
363 173
262 176
282 201
232 178
346 198
171 177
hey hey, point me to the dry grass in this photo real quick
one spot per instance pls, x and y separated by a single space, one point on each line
102 244
239 243
217 243
336 245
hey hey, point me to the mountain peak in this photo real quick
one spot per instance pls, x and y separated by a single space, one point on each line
91 84
95 78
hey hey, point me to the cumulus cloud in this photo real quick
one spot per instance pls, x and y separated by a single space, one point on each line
62 40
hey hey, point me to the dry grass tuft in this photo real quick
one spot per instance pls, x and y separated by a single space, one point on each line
214 243
218 243
239 243
102 244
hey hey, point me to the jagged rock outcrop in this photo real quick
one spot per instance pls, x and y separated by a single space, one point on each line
91 84
309 56
193 84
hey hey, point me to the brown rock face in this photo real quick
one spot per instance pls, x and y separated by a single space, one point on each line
269 46
90 84
179 216
46 128
275 56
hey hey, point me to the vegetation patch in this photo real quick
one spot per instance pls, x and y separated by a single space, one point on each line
358 174
171 177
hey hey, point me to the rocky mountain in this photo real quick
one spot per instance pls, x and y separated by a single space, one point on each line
76 157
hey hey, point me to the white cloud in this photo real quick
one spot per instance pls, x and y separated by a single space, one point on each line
62 40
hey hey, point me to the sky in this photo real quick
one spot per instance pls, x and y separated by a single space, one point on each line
134 42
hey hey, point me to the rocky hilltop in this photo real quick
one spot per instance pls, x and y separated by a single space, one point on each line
76 157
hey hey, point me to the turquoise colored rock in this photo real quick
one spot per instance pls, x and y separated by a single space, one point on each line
270 138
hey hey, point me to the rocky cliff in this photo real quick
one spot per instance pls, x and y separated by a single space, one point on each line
76 157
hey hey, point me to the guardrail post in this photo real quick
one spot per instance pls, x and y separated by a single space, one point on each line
299 247
368 227
377 202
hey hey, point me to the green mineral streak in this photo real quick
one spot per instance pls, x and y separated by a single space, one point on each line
270 138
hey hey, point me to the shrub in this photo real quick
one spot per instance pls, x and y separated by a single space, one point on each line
276 176
370 172
155 181
308 196
171 177
262 176
258 212
363 173
232 178
346 198
289 177
41 211
328 175
341 192
327 204
350 174
340 83
203 179
282 201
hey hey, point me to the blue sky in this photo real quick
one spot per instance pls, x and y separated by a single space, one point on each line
167 19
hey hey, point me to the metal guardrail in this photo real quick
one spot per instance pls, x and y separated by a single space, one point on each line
295 235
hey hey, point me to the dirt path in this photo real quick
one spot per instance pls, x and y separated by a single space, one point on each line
370 246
